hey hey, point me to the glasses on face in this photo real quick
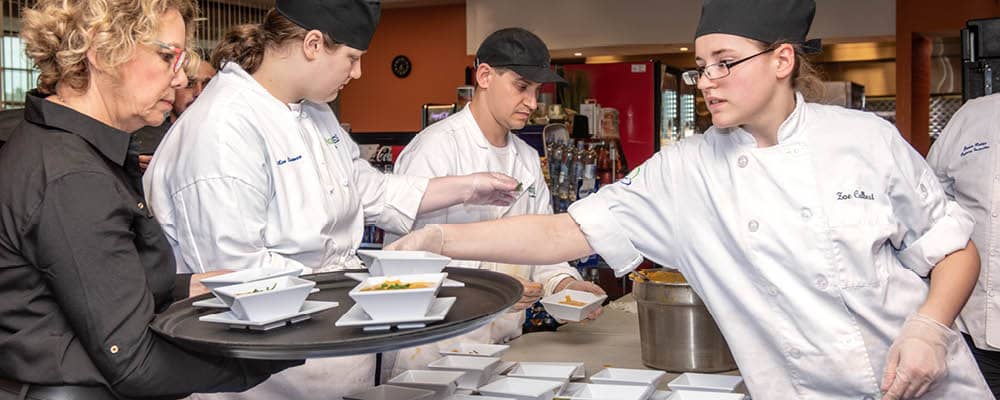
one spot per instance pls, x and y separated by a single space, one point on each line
716 71
193 82
178 57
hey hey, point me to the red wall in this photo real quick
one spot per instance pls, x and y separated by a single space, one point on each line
434 40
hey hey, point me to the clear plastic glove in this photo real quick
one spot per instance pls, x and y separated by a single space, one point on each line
583 286
429 238
917 358
490 188
532 293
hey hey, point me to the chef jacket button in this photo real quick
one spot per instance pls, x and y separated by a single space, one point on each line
923 191
753 225
994 252
822 283
742 161
771 290
140 205
996 178
794 353
114 349
994 214
806 213
991 293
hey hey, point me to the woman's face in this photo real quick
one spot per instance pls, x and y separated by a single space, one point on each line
144 91
744 94
332 70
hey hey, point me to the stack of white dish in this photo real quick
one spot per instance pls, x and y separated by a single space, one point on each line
694 386
402 307
261 298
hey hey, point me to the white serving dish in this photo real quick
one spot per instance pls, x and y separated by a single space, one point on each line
593 391
522 389
457 396
356 316
706 382
248 275
552 372
628 376
400 303
579 373
390 392
475 350
274 297
442 383
308 308
385 262
568 312
661 395
478 370
698 395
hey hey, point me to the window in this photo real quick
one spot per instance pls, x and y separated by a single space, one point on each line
18 75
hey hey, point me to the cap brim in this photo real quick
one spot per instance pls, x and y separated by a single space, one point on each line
537 74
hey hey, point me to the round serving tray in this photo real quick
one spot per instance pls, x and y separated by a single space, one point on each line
486 295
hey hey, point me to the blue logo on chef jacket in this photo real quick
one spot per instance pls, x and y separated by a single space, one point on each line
974 147
289 159
627 180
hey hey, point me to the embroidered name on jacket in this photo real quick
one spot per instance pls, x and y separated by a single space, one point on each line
970 148
289 159
857 194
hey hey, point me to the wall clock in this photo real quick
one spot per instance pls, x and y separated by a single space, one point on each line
401 66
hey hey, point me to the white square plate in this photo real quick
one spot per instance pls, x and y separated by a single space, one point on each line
661 395
627 376
214 302
522 389
308 307
443 383
706 382
248 275
357 316
457 396
555 307
579 373
542 371
265 299
475 349
696 395
593 391
477 369
390 392
397 303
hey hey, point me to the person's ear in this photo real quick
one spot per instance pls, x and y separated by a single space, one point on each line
312 44
784 57
484 75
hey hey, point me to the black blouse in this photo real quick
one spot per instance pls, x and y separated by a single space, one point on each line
84 266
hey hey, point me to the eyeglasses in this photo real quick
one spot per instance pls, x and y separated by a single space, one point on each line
193 82
716 71
179 58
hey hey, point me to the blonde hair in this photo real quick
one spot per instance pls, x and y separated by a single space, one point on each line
246 44
58 34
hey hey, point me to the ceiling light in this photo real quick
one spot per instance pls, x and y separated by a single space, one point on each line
684 49
578 54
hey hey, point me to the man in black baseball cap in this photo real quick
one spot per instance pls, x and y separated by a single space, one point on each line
520 51
351 22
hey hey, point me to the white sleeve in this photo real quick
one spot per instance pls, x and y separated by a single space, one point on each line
929 225
220 223
390 201
943 153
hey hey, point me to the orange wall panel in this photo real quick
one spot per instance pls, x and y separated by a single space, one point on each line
433 38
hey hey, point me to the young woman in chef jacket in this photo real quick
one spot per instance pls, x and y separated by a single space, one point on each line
808 230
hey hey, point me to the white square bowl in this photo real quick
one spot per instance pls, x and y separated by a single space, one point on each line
442 383
248 275
265 299
522 389
545 371
593 391
628 376
390 392
397 304
568 312
696 395
475 350
458 396
478 370
385 262
706 382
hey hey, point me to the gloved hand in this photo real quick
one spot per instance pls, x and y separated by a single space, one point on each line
429 238
532 293
917 358
583 286
490 188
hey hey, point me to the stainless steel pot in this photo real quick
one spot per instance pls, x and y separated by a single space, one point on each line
676 331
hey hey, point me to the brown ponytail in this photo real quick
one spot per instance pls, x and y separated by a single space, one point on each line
246 44
806 76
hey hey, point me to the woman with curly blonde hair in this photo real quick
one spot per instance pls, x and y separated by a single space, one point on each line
84 266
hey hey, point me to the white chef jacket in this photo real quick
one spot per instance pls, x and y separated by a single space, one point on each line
966 162
456 146
243 180
809 253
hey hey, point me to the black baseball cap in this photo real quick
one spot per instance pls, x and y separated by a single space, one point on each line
768 21
351 22
520 51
